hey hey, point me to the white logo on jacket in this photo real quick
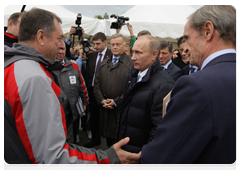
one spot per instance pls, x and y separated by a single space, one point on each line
72 79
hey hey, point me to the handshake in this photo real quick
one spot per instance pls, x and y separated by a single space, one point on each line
108 103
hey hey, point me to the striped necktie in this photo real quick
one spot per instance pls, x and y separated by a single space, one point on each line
115 60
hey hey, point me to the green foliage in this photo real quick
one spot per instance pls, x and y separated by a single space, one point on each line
105 16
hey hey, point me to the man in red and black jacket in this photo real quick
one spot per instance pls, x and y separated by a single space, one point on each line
11 31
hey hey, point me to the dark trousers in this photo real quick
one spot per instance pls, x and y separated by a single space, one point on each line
75 129
94 117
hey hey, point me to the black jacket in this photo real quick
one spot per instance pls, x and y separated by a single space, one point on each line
73 85
142 106
9 39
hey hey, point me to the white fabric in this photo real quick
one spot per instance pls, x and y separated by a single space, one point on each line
161 20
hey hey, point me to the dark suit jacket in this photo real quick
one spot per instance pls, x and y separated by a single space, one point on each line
185 69
174 71
200 124
91 64
178 61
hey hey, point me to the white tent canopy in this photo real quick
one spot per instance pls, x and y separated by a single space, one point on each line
90 25
161 20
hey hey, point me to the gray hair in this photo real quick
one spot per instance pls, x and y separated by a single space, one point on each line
34 20
223 18
119 35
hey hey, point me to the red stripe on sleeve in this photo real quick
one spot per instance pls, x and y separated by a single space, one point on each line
75 66
57 91
12 95
83 156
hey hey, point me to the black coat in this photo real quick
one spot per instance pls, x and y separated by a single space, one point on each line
142 106
109 84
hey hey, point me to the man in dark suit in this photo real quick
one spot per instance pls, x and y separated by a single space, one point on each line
200 122
93 62
166 62
109 87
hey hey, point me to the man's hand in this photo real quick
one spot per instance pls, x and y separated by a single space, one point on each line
130 29
91 50
82 37
124 156
108 104
72 31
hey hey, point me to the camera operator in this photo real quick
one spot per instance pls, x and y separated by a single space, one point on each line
68 42
81 55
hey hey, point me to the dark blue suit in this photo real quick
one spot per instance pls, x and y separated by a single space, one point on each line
200 124
174 71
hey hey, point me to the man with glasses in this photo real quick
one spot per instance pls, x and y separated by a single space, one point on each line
109 87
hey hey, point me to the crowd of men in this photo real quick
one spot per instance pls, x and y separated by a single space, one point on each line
123 88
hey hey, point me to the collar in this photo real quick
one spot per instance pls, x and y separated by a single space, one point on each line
167 64
142 74
215 55
115 57
103 52
10 35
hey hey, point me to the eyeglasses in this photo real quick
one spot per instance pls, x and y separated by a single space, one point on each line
117 44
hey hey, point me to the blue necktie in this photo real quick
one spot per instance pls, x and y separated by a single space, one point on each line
98 63
138 78
192 70
114 60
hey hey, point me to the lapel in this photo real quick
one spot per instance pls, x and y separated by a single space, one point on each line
107 54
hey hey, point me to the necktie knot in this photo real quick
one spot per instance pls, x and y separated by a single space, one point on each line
192 70
115 60
138 78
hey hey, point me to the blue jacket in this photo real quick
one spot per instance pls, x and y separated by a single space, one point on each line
200 124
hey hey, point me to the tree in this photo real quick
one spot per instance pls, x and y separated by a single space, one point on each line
106 16
98 17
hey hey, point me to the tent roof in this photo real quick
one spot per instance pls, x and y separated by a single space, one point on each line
68 18
167 14
161 20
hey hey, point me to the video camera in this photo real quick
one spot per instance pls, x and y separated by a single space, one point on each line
120 21
78 28
86 45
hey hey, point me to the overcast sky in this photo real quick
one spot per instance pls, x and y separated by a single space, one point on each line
93 10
